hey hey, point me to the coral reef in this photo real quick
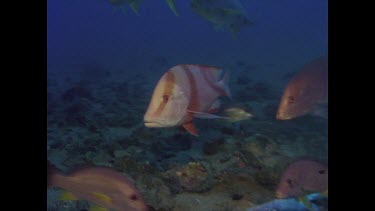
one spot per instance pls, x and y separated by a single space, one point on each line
230 166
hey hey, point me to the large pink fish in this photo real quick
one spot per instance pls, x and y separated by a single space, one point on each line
105 187
306 92
302 177
184 92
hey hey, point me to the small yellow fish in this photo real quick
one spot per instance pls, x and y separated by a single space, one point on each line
237 114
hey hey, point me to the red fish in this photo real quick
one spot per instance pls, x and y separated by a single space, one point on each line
105 187
184 92
302 177
306 92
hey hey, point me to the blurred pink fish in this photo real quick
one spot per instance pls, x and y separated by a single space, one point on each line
303 177
306 91
103 186
186 92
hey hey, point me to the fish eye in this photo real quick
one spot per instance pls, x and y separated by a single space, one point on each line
165 98
291 99
133 197
289 181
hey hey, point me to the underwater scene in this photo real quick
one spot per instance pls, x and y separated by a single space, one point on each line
179 105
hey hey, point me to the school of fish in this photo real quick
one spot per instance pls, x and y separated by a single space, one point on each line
189 91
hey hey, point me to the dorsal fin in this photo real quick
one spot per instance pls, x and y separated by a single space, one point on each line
215 72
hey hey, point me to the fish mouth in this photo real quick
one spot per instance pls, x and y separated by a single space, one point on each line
280 116
153 123
279 195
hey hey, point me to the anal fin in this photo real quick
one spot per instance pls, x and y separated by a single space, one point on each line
191 128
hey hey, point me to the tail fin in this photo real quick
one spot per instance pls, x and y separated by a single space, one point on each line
172 6
224 84
135 6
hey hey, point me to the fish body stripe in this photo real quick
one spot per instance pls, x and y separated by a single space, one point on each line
212 84
194 98
168 89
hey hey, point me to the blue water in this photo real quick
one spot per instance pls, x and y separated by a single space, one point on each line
288 32
94 45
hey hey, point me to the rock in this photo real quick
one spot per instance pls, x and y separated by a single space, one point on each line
120 153
132 167
193 177
101 159
213 147
155 192
268 178
237 196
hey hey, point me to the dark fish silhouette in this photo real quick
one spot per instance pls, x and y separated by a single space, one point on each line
223 14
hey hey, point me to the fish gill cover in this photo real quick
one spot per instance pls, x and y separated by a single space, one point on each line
105 59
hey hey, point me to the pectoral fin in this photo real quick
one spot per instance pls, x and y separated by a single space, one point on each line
191 128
